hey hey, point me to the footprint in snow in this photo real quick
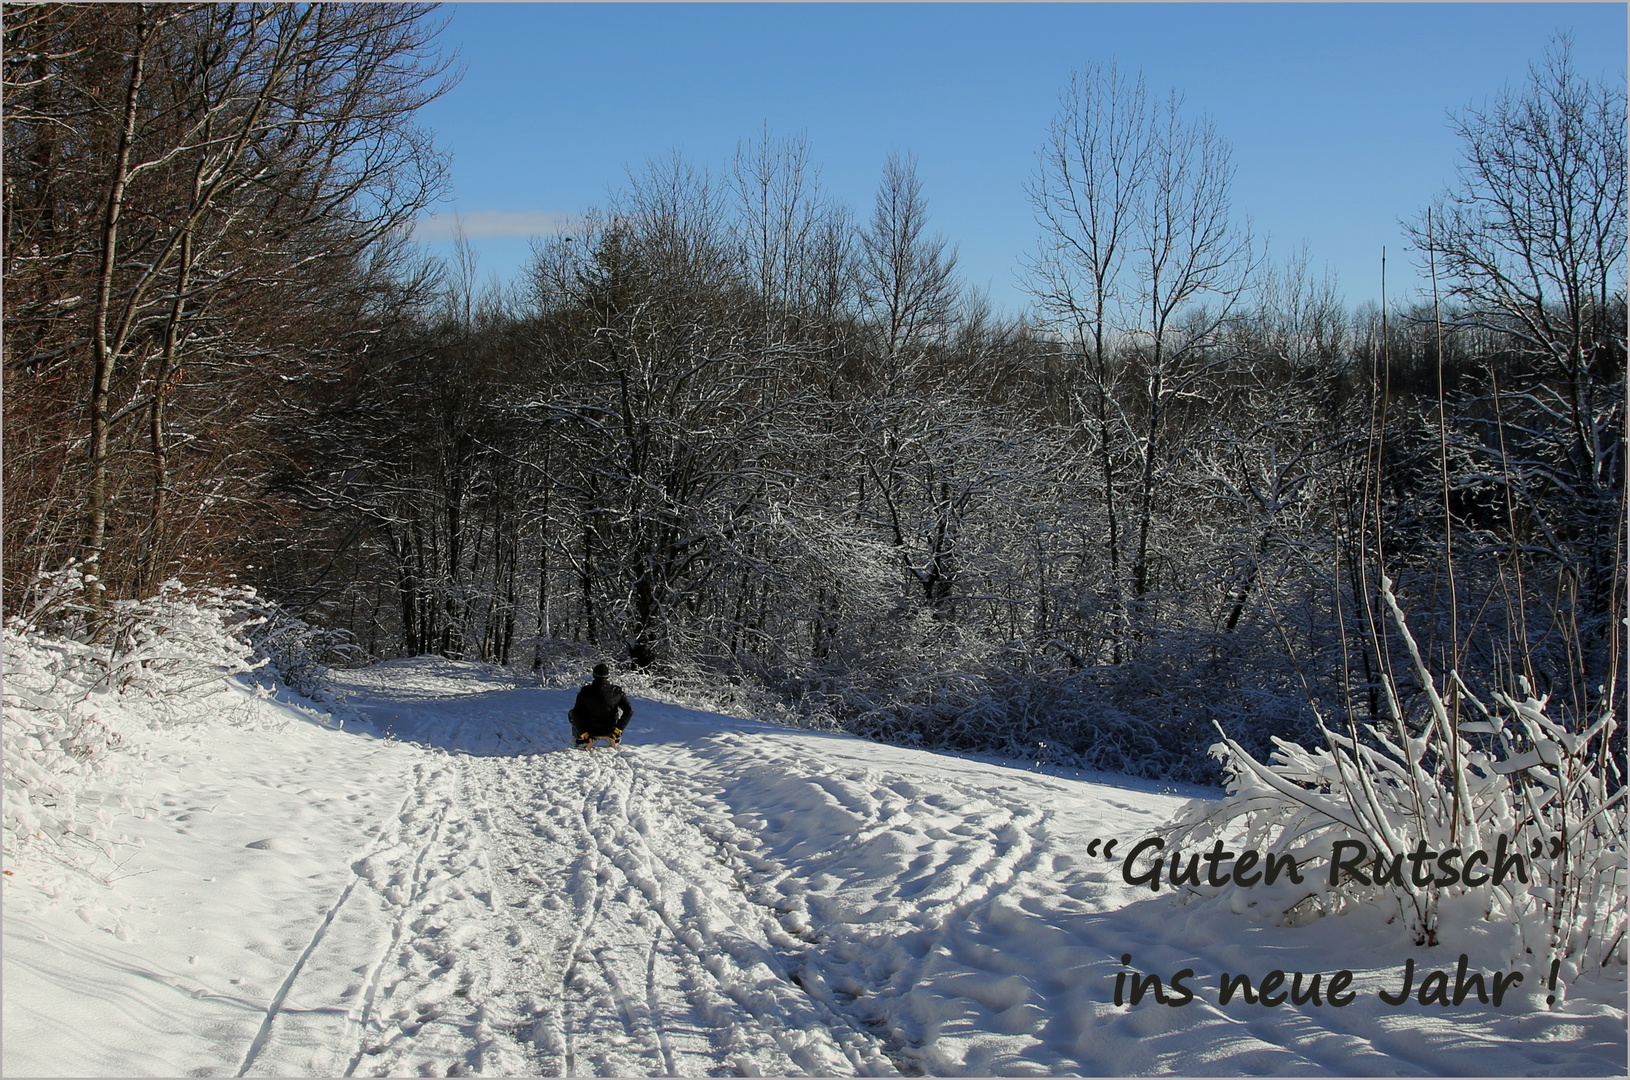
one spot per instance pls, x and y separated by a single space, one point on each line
274 843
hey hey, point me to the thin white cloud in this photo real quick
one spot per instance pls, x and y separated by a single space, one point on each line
484 224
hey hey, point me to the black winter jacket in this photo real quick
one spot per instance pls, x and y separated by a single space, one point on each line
602 708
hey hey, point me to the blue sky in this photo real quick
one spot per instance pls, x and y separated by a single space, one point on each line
1336 112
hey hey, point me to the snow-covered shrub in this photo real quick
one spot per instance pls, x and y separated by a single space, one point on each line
181 639
55 602
83 681
1550 785
560 663
176 648
296 652
62 733
1147 717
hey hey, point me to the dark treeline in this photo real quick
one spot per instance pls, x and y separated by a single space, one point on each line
203 205
732 433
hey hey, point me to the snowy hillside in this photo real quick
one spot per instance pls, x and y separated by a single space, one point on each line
445 888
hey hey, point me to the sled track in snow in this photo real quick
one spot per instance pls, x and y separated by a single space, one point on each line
258 1044
632 930
354 1022
621 845
667 966
945 883
405 904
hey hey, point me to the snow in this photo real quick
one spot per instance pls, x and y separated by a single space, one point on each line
443 887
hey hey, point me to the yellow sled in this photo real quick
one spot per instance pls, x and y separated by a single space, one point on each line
586 740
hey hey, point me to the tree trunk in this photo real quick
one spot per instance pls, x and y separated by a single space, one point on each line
104 356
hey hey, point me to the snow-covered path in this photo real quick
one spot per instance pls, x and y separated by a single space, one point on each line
718 897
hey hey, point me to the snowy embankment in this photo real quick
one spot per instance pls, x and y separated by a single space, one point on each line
444 888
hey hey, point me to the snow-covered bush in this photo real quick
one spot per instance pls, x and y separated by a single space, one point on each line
296 652
62 733
560 663
175 648
83 681
949 687
1454 772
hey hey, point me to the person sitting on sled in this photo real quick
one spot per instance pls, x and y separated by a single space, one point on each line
601 712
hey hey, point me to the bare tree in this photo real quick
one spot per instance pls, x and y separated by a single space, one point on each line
1091 174
665 391
1531 244
1532 239
782 221
1188 251
906 276
1142 266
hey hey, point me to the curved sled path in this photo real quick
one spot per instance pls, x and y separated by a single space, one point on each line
718 897
568 913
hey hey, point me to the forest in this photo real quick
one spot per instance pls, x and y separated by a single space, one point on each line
748 442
